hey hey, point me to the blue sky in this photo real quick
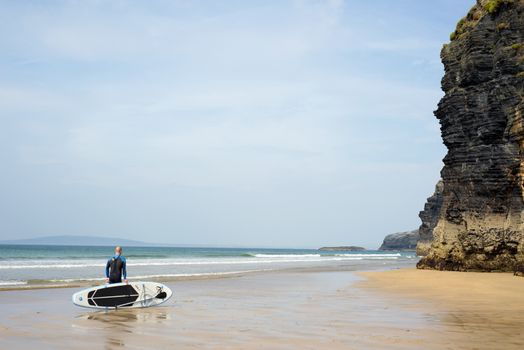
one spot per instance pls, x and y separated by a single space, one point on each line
252 123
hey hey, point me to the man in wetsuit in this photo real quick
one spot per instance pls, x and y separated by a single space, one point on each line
116 267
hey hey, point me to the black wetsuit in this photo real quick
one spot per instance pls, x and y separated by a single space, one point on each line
116 268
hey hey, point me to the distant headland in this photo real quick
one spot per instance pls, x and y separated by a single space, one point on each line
342 248
80 240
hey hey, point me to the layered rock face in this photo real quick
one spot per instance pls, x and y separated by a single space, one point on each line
480 224
429 217
400 241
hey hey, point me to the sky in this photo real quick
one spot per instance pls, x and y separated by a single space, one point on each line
235 123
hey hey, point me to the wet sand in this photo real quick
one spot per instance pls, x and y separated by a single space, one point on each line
274 310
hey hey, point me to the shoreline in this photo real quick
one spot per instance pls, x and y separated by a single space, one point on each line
22 267
86 283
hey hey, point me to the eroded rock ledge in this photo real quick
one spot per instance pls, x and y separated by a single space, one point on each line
429 217
480 223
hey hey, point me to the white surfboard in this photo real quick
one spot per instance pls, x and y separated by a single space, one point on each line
123 295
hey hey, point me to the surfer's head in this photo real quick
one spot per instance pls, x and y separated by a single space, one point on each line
118 250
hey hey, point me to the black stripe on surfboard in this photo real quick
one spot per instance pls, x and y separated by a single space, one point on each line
135 302
114 301
128 304
116 296
125 289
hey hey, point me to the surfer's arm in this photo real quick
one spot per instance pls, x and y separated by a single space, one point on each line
124 268
107 268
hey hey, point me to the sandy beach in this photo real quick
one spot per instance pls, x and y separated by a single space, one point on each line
400 309
473 310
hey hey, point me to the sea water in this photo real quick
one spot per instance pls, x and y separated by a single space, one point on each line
34 264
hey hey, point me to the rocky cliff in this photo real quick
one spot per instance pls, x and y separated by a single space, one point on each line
400 241
480 224
429 217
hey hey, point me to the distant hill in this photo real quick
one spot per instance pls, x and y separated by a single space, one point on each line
350 248
80 240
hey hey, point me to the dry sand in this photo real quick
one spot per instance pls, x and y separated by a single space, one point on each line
403 309
473 310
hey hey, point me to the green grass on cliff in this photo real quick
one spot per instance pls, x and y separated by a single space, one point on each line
492 6
474 16
468 22
462 25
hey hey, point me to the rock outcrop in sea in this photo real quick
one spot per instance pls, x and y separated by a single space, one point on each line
480 224
401 241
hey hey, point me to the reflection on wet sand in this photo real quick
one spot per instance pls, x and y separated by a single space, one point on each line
128 317
117 324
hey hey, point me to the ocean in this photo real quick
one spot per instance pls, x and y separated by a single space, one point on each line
44 264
